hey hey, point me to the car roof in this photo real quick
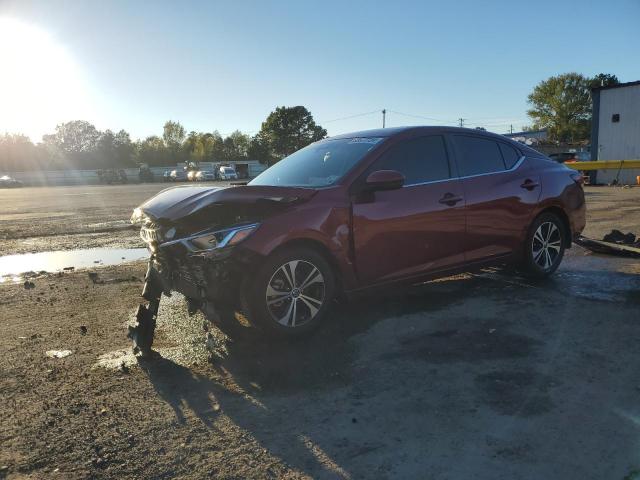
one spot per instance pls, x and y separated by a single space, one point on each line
392 131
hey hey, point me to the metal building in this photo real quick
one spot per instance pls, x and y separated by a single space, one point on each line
615 131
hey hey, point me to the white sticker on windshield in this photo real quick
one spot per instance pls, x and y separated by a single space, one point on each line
365 140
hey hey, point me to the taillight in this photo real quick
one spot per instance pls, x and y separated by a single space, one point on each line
578 178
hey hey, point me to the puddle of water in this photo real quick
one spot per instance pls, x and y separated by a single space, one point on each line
11 266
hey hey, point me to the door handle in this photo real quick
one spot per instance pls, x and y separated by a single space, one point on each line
450 199
529 184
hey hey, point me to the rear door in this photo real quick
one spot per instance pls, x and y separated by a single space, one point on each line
417 228
500 191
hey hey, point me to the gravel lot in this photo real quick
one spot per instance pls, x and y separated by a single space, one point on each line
484 376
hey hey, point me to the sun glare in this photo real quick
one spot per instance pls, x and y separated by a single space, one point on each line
40 85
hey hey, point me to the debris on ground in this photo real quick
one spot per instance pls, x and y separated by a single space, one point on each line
93 276
58 353
83 329
616 236
613 243
28 285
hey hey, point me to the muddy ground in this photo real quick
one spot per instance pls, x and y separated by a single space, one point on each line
486 376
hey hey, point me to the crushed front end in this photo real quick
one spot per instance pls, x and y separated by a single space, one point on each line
204 266
194 235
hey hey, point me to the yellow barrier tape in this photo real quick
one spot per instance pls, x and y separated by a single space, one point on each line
604 165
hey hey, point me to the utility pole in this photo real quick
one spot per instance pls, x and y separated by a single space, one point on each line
461 122
511 128
384 114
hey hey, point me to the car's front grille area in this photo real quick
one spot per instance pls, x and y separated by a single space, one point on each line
150 234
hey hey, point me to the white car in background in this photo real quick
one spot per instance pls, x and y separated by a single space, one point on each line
8 182
228 173
205 176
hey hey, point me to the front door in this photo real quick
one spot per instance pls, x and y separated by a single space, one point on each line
416 229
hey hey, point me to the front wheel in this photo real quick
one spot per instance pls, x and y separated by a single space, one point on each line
291 292
544 246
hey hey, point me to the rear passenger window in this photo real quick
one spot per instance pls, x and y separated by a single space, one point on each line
420 160
478 155
509 155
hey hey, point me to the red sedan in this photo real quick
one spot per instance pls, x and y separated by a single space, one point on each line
355 212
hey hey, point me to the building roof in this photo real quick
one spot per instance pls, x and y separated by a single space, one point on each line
619 85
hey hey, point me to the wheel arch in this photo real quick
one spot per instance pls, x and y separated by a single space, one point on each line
560 213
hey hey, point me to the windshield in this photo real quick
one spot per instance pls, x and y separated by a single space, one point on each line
320 164
228 170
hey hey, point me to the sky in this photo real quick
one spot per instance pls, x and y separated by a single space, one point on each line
225 65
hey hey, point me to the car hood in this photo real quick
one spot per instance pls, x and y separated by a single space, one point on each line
178 203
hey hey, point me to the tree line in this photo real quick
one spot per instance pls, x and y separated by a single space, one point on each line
80 145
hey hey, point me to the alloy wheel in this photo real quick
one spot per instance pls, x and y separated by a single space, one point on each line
546 245
295 293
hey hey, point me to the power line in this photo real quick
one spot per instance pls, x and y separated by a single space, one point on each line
421 116
350 116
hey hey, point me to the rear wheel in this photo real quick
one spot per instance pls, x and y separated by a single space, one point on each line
291 293
544 246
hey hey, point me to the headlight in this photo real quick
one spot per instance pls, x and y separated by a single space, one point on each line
215 240
206 242
137 216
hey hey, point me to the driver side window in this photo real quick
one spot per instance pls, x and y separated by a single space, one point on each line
420 160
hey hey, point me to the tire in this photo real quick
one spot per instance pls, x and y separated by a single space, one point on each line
544 246
285 310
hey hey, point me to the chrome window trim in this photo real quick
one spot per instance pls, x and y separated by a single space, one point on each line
515 167
223 243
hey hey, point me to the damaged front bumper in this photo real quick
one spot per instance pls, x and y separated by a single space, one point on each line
208 268
204 266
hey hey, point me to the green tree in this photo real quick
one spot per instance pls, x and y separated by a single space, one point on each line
74 144
124 149
173 134
105 151
74 137
18 153
236 146
562 105
259 150
214 146
603 80
153 151
288 129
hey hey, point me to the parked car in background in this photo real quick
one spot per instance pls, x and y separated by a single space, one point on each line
227 173
9 182
360 211
205 176
178 175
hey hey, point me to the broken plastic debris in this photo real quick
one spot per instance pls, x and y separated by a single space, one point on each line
58 353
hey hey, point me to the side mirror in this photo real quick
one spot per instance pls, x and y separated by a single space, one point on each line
384 180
